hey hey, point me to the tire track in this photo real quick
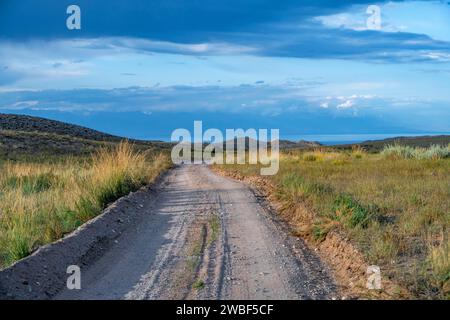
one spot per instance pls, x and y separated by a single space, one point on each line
200 236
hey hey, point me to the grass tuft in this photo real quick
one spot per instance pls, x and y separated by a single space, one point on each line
198 284
350 212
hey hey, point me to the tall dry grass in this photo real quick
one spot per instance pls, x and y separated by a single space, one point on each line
40 202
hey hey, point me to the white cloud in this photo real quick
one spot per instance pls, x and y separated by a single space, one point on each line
437 56
24 104
407 16
139 45
346 104
343 20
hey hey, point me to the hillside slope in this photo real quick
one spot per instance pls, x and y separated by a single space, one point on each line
419 141
26 136
12 122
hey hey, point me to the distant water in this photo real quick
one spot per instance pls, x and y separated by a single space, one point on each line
333 139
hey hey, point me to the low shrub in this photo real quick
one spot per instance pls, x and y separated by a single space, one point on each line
435 152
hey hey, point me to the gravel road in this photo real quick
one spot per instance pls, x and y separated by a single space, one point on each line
202 236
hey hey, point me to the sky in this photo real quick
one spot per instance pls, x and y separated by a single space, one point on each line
144 68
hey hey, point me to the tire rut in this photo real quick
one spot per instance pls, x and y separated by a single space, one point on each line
195 235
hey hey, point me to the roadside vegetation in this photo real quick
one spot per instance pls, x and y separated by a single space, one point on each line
434 152
393 205
42 201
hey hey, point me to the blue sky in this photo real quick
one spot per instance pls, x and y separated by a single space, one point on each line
143 68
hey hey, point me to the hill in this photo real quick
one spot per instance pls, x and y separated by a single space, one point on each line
419 141
12 122
302 144
26 136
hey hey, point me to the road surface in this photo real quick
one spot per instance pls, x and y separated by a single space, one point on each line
204 236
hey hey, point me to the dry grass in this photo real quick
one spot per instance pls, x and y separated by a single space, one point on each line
40 202
396 211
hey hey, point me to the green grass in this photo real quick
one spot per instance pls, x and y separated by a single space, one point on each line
30 184
198 284
40 202
395 209
214 224
348 211
197 249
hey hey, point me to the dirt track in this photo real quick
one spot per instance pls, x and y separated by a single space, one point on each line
201 236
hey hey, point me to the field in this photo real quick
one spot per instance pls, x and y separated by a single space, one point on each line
394 206
43 198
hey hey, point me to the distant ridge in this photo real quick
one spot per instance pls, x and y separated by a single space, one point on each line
39 138
418 141
23 123
283 144
302 144
23 134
